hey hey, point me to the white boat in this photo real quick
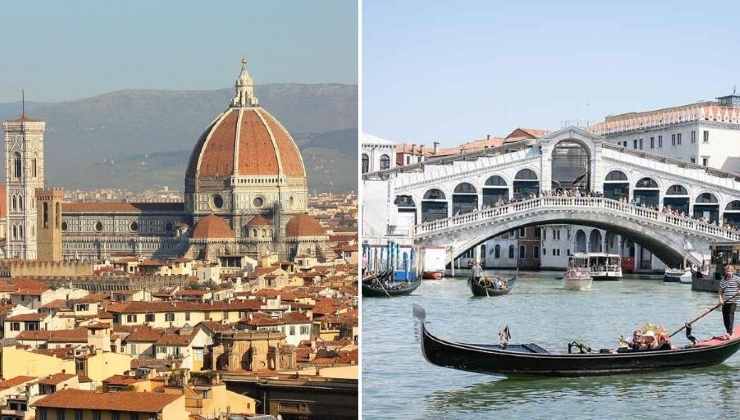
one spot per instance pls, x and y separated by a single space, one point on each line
578 275
605 266
677 275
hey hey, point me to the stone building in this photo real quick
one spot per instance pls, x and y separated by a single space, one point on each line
246 194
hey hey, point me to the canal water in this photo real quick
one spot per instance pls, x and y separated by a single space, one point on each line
399 384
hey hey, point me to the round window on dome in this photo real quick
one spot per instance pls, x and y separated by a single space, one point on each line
99 226
134 226
218 201
258 202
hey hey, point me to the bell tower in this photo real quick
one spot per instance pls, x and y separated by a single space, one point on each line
49 224
24 173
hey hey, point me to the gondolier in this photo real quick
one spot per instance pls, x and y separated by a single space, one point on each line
728 288
476 271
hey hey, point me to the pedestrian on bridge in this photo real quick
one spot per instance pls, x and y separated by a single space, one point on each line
728 289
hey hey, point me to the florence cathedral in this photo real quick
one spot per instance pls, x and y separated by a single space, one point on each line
246 194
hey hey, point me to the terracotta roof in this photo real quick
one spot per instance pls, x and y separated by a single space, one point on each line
18 380
179 306
26 317
76 335
262 320
524 133
121 380
264 147
303 225
258 220
56 378
121 207
144 335
174 340
140 402
295 318
212 227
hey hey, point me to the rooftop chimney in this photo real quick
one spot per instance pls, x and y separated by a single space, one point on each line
436 147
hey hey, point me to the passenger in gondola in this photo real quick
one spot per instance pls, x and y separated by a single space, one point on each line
728 289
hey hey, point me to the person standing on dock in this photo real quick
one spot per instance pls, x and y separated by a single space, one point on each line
728 288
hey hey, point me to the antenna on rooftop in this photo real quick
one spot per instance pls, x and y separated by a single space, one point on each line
23 102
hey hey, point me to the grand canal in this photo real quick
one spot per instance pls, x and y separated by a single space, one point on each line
400 384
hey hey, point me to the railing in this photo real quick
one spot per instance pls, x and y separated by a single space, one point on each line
616 207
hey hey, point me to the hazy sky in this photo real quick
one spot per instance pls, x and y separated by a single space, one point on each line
452 71
60 50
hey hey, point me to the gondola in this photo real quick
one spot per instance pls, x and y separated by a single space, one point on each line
382 286
479 287
533 360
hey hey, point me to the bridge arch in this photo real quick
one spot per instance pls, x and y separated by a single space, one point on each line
616 185
706 206
646 192
526 183
464 198
434 205
495 189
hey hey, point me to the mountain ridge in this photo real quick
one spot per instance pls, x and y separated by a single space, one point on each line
114 126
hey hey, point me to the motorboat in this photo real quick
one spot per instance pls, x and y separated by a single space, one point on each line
605 266
578 275
677 275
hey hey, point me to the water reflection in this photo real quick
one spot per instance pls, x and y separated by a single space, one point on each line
505 393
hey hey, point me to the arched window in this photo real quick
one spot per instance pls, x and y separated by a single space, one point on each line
676 190
511 251
15 232
58 215
526 184
706 198
385 162
254 233
15 203
464 199
46 215
495 181
616 176
20 232
526 175
18 165
434 194
495 190
365 163
497 251
20 202
646 183
33 167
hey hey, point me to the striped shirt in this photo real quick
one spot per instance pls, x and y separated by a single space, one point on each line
729 288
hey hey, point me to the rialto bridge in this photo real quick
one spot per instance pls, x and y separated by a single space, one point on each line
460 201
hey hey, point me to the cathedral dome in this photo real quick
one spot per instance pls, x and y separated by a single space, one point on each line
212 227
303 225
245 140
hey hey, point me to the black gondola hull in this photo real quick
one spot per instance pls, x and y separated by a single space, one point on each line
494 360
482 291
378 287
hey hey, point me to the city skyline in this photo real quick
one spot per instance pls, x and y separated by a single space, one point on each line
506 67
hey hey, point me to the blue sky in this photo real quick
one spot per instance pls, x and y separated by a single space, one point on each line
452 71
60 50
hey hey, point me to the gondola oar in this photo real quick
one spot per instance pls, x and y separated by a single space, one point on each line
702 315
